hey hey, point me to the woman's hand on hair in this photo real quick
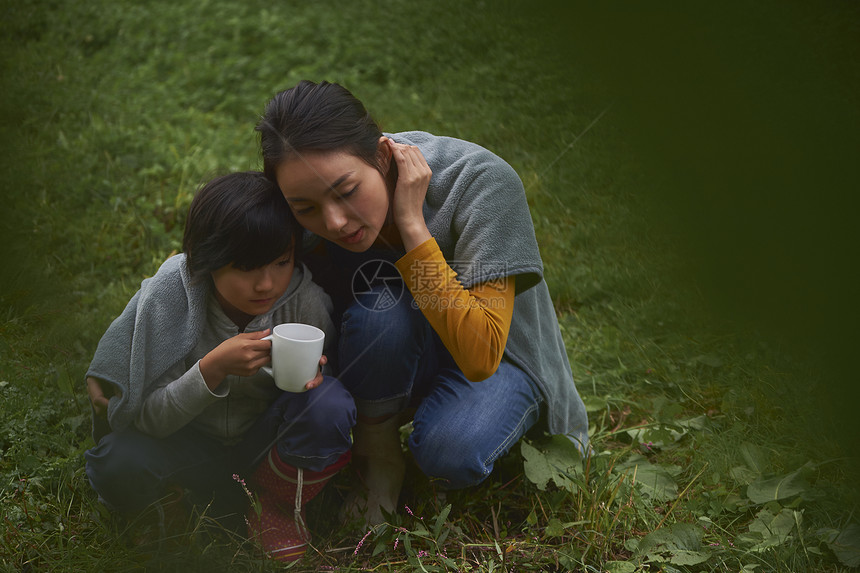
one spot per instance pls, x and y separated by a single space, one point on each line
413 179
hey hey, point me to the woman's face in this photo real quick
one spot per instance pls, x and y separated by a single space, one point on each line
337 196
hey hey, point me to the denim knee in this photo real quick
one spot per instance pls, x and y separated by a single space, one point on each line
450 454
382 353
120 475
325 417
383 333
461 428
315 426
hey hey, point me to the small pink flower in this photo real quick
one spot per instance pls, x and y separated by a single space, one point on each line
409 511
360 543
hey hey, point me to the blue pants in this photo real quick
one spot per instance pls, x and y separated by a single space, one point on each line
390 357
130 470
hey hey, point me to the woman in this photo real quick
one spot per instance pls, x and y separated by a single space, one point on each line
473 339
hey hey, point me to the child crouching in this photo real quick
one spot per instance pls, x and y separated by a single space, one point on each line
189 405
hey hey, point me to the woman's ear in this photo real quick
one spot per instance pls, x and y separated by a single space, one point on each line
383 155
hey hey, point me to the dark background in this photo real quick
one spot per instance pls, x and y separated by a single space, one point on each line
747 119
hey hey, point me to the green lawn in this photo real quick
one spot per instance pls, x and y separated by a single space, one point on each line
689 175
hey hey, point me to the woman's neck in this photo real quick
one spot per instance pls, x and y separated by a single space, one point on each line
388 238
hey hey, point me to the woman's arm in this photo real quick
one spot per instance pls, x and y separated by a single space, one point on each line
413 177
472 323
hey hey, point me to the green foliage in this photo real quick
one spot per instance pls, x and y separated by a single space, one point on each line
712 447
844 543
555 463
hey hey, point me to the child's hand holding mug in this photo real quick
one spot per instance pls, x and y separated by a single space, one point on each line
296 356
241 355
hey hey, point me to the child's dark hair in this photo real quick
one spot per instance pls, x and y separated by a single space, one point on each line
316 117
240 219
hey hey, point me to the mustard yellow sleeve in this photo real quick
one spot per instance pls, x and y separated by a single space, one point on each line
472 323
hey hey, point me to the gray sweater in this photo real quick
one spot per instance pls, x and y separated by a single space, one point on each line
152 350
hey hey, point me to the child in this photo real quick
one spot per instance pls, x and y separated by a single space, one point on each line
192 408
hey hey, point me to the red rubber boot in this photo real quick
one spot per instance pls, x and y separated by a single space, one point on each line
283 491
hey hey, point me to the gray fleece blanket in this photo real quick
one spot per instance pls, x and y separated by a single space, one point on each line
476 210
159 327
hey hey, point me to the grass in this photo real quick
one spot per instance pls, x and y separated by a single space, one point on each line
653 162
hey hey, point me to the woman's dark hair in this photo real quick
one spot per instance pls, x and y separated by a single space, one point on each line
316 117
240 219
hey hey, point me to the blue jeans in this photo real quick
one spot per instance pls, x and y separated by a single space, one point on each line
130 470
391 358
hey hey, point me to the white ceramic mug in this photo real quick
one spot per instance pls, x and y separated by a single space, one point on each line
296 352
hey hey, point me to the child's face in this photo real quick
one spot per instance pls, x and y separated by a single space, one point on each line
246 294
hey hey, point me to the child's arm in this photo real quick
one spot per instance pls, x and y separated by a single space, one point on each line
241 355
180 395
